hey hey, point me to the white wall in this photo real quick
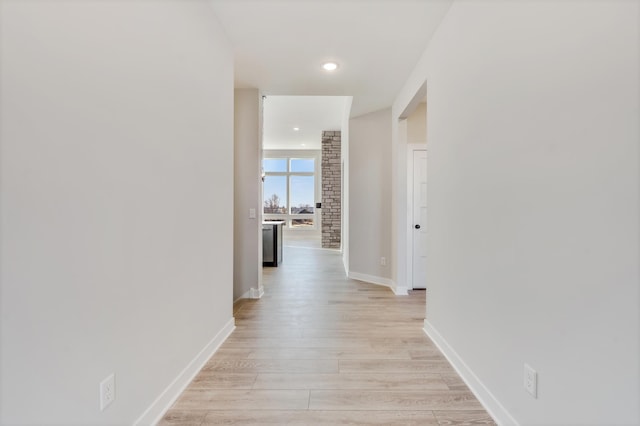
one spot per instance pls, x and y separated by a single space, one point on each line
400 255
370 195
533 204
344 145
116 171
417 125
247 260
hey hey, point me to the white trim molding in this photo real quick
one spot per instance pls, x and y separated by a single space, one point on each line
246 295
163 402
252 293
482 393
256 293
401 291
371 279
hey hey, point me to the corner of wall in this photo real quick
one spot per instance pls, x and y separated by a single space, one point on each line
345 182
247 194
493 406
370 165
385 282
252 293
161 405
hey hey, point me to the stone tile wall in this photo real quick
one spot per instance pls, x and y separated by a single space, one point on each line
331 189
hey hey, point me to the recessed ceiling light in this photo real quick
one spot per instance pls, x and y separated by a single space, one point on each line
330 66
295 129
302 144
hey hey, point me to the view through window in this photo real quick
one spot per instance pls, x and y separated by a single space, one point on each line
289 191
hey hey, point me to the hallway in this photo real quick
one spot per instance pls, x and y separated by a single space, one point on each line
319 348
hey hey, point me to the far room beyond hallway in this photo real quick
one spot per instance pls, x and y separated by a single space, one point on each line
302 239
302 165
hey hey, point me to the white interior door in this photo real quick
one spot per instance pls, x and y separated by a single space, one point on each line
419 219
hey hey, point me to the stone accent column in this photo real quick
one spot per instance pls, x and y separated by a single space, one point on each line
331 189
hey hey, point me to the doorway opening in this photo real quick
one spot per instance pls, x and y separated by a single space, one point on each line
412 132
302 186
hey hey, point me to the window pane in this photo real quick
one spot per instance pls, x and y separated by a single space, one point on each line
275 194
302 164
302 195
302 223
274 164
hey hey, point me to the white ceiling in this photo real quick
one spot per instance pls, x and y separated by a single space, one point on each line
310 114
280 45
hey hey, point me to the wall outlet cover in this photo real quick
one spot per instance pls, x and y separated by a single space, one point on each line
107 391
531 380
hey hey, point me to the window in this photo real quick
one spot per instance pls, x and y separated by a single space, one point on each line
274 164
303 165
289 190
302 194
276 203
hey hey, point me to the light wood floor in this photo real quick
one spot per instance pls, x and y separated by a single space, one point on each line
320 349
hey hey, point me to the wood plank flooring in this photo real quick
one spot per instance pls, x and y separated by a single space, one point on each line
321 349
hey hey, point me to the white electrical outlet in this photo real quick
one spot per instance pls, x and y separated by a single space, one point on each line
252 213
383 261
107 391
531 380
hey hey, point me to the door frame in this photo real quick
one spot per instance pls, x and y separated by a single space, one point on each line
411 148
400 197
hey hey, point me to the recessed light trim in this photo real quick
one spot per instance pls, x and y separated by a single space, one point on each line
330 66
295 129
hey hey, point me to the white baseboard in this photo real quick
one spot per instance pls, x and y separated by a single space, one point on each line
371 279
252 293
484 395
159 407
246 295
256 293
401 291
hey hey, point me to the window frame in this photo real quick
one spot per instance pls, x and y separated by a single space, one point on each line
316 174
